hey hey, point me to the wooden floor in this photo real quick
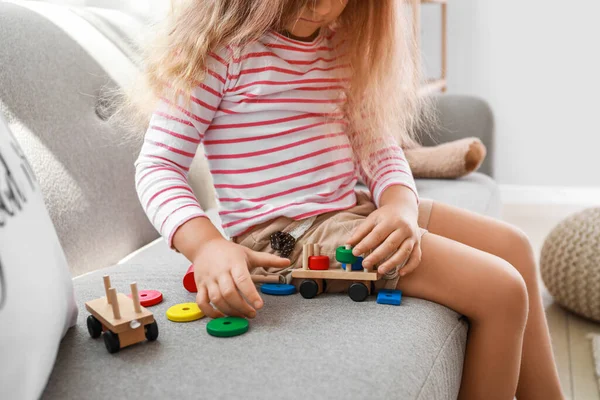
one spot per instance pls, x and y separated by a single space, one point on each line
572 347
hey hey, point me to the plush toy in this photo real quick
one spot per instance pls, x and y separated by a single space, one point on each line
447 160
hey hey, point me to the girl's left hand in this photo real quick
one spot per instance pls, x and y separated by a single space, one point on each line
392 231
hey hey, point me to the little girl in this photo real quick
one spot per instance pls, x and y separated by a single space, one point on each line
294 101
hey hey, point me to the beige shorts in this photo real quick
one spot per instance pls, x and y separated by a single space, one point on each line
330 230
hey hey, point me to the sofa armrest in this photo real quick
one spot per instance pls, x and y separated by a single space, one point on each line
459 117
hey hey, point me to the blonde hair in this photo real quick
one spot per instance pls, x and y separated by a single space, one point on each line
382 95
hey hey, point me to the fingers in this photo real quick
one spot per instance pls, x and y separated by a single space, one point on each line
399 258
225 296
243 281
381 250
372 240
413 262
215 296
204 303
232 297
361 231
262 259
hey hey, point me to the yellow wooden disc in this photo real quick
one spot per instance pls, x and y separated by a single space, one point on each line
184 312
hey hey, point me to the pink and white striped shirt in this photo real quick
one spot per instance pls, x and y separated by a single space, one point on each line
273 134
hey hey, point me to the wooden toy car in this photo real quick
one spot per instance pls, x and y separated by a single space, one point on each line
315 269
121 320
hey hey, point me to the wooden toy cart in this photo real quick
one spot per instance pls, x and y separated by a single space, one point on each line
315 269
121 320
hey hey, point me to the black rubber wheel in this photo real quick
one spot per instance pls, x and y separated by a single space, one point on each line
111 340
94 327
309 288
151 331
358 291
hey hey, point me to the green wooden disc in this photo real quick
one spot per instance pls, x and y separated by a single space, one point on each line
344 255
227 327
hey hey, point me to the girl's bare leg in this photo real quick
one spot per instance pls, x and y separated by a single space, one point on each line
538 378
492 294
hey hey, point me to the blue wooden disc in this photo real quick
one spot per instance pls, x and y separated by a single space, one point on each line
277 289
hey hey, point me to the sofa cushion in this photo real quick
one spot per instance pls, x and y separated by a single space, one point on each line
36 293
327 347
475 192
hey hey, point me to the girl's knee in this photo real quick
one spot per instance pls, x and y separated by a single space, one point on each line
504 294
516 298
518 240
520 253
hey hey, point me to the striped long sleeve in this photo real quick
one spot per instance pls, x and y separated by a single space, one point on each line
388 167
170 144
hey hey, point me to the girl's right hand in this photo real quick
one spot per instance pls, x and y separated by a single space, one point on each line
222 275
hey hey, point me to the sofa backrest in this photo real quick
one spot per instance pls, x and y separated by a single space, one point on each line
55 67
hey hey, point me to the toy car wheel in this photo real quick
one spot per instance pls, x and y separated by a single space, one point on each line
94 327
151 331
111 340
358 291
309 288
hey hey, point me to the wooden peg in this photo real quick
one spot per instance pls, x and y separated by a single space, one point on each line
136 298
309 253
316 250
267 279
112 295
106 286
305 256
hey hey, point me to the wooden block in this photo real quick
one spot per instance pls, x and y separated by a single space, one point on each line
391 297
100 309
336 274
132 336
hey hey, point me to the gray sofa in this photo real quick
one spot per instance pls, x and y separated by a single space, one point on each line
56 65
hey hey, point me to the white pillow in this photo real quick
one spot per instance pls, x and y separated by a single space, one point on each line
37 304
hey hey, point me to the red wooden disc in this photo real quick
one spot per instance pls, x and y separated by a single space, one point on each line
318 262
188 280
149 297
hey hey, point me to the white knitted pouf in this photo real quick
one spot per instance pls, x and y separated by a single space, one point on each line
570 263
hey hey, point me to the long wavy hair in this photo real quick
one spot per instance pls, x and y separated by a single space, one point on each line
382 95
